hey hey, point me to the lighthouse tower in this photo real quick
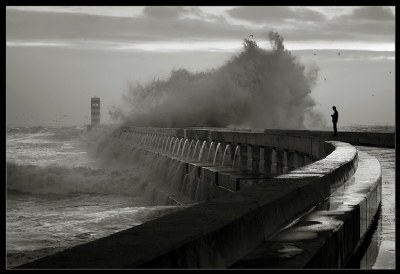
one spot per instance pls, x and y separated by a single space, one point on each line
95 111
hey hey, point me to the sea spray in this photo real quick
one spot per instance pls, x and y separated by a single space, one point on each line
162 175
257 88
55 179
217 159
227 158
58 196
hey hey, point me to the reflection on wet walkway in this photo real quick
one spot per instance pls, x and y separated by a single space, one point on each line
381 251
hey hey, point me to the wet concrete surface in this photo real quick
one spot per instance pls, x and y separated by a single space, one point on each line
327 236
384 237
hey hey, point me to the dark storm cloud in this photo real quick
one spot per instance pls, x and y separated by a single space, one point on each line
48 25
274 14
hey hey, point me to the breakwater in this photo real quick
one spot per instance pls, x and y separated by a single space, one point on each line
376 139
243 189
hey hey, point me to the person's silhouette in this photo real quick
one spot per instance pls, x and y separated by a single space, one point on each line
335 118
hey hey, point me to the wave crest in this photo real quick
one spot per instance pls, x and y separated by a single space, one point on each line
257 89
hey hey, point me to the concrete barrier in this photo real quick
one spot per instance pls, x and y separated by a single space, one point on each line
331 234
354 138
219 232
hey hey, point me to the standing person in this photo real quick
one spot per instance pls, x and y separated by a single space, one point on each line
335 117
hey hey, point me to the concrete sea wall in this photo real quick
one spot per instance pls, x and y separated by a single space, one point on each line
247 187
330 235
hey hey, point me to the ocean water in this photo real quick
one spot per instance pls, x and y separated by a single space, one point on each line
59 195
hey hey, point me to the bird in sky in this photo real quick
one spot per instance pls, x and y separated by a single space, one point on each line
315 54
325 79
339 53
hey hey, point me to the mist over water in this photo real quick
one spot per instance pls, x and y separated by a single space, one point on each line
68 186
257 88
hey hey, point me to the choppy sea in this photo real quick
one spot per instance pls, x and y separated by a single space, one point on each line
59 195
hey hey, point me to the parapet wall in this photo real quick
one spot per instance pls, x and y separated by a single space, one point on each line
275 179
329 236
355 138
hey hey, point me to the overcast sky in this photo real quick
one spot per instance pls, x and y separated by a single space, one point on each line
58 57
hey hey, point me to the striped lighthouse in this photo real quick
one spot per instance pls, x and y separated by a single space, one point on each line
95 111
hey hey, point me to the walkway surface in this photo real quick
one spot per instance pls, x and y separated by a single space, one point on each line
386 255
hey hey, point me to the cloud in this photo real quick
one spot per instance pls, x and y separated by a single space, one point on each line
36 44
174 13
192 25
47 25
369 24
366 23
162 12
357 26
374 13
266 14
113 11
343 30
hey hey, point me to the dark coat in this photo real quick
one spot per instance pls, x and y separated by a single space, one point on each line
335 116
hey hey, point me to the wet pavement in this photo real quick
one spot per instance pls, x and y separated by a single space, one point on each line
383 240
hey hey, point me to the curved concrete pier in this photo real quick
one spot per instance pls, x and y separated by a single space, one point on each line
331 234
243 207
